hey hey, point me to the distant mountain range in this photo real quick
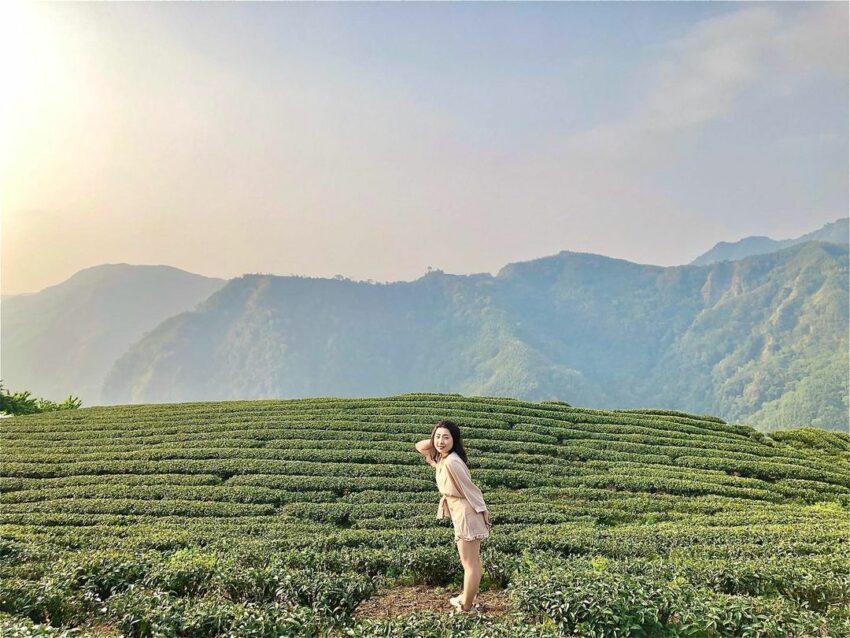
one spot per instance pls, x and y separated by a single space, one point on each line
837 232
761 340
64 339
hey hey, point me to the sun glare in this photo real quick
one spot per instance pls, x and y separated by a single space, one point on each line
19 39
35 86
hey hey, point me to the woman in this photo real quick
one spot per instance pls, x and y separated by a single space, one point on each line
462 500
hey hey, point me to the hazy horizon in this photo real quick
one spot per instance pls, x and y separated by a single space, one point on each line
277 274
376 140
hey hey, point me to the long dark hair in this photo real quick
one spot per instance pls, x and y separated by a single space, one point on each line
457 441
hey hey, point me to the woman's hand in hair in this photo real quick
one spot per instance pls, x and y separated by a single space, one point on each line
426 449
424 446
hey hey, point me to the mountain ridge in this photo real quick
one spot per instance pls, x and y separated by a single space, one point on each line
833 232
592 330
554 327
63 339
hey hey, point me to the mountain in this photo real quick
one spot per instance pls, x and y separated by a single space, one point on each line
64 339
835 232
762 340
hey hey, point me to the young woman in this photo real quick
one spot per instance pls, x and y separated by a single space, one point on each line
462 500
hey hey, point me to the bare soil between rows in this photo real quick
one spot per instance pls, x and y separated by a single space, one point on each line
399 601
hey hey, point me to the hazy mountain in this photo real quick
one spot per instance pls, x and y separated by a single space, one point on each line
836 232
64 339
762 340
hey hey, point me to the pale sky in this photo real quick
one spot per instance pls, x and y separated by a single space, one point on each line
374 140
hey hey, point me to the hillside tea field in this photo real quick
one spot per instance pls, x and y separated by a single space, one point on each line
288 518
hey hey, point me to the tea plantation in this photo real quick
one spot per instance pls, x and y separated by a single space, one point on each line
277 518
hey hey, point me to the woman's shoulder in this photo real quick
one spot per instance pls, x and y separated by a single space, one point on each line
455 459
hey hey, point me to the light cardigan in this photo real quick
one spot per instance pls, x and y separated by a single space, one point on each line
460 478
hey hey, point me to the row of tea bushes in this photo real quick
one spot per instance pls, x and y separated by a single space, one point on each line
250 518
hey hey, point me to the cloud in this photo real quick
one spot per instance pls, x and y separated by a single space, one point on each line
641 176
818 41
704 72
705 75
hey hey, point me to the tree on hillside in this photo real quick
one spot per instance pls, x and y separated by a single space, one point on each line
25 403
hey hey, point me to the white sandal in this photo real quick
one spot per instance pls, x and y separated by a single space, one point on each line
458 606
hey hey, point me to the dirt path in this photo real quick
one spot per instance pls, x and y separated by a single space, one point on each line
398 601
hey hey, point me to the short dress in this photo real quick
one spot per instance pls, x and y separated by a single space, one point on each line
461 499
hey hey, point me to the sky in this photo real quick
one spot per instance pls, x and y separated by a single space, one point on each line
378 140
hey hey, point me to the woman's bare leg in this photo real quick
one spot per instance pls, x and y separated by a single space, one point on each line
471 561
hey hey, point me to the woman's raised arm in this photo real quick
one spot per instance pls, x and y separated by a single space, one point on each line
426 449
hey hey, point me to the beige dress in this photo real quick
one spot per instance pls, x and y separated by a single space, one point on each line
461 499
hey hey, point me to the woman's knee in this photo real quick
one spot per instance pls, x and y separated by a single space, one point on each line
469 555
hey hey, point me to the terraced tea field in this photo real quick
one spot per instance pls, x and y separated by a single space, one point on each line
317 517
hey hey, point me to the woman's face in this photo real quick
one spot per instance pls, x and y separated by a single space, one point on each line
443 441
